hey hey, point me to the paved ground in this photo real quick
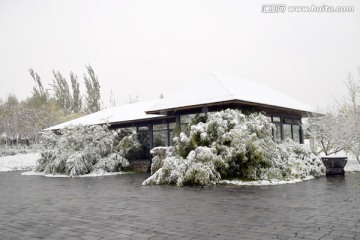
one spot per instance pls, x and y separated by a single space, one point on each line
34 207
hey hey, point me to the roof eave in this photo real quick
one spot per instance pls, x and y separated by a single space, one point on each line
154 118
303 113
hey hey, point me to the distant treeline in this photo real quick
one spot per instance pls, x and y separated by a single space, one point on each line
24 120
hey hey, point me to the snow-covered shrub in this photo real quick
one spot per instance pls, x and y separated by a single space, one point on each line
119 134
128 147
79 150
56 166
172 172
112 163
159 154
92 139
77 164
46 156
11 151
156 164
48 140
292 160
228 145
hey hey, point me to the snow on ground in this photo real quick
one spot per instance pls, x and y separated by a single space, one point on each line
100 173
32 173
96 173
352 165
18 162
27 161
263 182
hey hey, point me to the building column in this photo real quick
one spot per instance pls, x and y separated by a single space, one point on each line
168 134
178 121
151 137
281 128
301 135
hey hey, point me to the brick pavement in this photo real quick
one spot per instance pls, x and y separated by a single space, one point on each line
34 207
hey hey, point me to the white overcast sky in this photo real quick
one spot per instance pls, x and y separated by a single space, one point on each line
147 47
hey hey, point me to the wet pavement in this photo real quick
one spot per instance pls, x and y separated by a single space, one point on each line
118 207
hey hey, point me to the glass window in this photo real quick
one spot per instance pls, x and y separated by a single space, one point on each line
160 127
288 120
171 137
287 131
172 125
276 119
145 128
160 138
143 152
187 118
269 119
183 127
133 129
277 132
270 131
297 121
296 133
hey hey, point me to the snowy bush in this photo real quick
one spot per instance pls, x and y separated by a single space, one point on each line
56 166
231 145
112 163
292 161
159 154
77 164
128 146
46 156
172 172
79 150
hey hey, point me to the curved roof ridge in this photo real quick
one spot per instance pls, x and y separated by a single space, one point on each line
216 75
260 93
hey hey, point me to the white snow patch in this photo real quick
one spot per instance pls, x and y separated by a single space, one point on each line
101 173
32 173
95 173
263 182
18 162
352 165
56 175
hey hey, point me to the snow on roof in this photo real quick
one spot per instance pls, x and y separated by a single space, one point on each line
219 87
215 88
122 113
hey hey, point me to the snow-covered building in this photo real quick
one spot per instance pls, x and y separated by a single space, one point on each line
156 120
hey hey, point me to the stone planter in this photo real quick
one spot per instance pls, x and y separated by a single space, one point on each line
334 165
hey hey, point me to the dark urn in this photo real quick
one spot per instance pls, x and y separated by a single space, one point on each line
334 165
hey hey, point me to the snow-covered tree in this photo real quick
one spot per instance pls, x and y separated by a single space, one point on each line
9 118
349 116
92 98
39 95
76 104
79 150
229 144
62 95
328 130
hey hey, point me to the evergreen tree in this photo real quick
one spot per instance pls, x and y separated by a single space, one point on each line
39 95
76 97
92 85
62 96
